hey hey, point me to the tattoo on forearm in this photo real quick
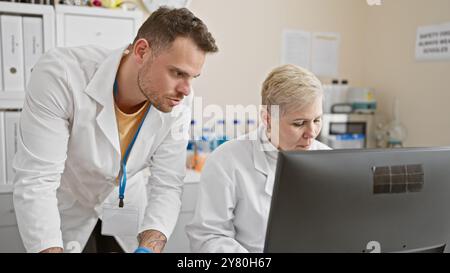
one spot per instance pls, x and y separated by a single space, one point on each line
152 239
53 250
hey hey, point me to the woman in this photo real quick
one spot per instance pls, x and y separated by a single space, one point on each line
237 180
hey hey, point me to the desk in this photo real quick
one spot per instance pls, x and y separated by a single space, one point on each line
178 242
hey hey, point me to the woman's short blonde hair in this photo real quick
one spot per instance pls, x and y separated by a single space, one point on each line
290 87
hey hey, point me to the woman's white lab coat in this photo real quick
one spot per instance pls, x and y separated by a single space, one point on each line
234 197
69 154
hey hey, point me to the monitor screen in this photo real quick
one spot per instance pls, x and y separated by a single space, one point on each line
395 200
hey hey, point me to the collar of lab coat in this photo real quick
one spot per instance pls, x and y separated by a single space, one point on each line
260 160
100 88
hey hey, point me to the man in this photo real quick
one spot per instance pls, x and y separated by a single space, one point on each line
92 120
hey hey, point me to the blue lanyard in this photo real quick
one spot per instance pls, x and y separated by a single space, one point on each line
123 179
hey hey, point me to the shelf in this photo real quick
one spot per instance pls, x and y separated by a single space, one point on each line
97 11
6 188
23 8
7 103
46 11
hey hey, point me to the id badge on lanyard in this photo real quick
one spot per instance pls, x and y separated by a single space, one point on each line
120 221
117 219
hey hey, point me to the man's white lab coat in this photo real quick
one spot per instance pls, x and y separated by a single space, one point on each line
69 153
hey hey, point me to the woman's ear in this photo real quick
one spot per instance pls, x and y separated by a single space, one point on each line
265 116
271 119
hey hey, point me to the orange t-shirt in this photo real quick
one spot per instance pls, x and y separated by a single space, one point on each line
128 124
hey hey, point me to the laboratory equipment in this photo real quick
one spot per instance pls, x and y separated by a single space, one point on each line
347 131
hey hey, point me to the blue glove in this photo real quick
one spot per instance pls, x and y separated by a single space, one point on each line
143 250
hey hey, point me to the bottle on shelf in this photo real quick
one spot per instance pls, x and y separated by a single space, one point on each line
219 135
396 132
234 131
250 125
206 140
198 147
330 95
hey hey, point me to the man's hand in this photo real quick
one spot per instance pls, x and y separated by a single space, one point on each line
153 240
53 250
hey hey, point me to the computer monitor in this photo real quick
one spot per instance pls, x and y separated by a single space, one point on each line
349 200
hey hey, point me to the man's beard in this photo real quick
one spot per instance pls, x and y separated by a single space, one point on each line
140 87
154 100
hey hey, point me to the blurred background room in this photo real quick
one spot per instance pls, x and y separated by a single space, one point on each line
384 66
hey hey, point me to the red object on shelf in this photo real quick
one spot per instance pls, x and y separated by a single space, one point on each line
96 3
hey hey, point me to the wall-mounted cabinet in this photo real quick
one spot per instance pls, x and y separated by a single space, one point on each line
77 26
27 31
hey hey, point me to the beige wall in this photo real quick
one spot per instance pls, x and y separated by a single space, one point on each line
390 67
249 34
377 50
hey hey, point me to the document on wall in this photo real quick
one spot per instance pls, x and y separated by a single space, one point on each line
297 48
33 40
325 54
433 42
2 150
12 49
11 142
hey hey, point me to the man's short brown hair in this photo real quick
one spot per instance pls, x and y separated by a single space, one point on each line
164 25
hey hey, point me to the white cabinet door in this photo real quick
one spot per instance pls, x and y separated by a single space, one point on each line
109 28
7 215
103 31
10 240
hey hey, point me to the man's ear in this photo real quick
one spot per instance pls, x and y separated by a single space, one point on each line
140 48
